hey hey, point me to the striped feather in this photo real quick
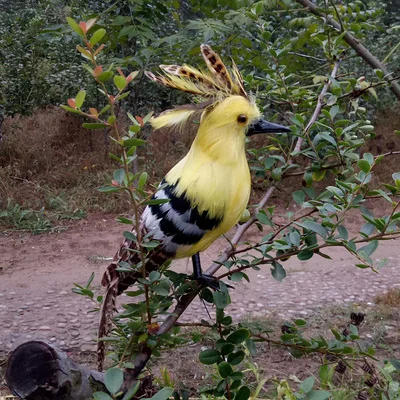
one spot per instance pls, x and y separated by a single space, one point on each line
216 66
192 74
238 80
221 83
183 84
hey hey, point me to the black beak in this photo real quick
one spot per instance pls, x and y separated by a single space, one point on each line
263 126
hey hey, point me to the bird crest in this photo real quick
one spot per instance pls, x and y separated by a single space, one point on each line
218 82
214 85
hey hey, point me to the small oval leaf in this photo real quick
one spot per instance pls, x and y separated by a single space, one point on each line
113 379
209 356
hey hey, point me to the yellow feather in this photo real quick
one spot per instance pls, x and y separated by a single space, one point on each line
214 174
172 118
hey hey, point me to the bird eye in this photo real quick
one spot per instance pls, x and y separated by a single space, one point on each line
242 119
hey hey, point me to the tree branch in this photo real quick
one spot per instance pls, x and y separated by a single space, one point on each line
362 51
320 104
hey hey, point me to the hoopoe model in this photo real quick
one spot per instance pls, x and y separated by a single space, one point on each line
208 190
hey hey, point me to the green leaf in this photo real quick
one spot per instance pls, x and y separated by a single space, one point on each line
163 394
155 202
264 219
251 346
134 142
243 393
331 100
305 255
132 391
101 396
105 76
318 395
224 369
238 336
315 227
379 73
395 363
123 220
109 189
364 165
80 98
236 358
396 178
113 379
369 248
119 175
367 128
317 176
333 111
72 110
227 349
154 276
295 238
150 245
344 234
300 322
162 288
104 109
299 196
97 36
130 235
278 272
142 180
94 125
209 356
221 299
307 384
74 25
120 82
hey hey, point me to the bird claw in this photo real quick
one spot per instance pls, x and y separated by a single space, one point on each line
210 281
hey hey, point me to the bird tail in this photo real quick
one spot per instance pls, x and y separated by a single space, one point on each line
117 282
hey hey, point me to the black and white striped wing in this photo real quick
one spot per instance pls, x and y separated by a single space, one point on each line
176 223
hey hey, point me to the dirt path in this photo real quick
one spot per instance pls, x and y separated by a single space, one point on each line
38 272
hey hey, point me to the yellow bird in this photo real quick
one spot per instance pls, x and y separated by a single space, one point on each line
208 190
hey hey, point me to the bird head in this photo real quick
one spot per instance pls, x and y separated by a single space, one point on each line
227 104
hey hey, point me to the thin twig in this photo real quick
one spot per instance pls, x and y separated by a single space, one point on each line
320 104
307 56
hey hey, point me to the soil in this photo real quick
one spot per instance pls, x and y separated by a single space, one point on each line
38 272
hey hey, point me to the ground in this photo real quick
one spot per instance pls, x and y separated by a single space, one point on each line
38 272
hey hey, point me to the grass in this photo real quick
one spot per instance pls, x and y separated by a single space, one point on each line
391 298
15 217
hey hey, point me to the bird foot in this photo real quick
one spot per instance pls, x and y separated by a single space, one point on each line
209 281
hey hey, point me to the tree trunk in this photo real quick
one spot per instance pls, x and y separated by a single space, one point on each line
37 370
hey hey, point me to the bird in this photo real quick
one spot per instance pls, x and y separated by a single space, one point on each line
207 191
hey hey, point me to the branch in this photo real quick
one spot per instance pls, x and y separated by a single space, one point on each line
320 104
283 257
362 51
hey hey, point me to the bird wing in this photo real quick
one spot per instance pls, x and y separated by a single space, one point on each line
177 223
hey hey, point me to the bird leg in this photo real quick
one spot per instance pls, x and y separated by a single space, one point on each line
203 279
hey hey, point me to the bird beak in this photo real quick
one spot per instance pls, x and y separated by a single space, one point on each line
263 126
